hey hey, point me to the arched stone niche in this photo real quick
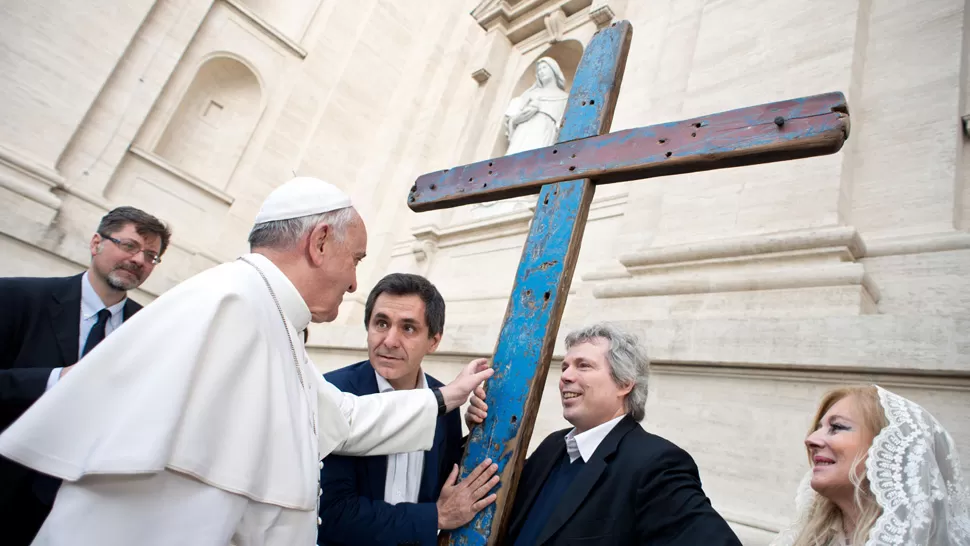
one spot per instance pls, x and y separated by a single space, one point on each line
566 53
209 130
290 17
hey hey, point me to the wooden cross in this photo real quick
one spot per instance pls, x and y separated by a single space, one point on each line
565 176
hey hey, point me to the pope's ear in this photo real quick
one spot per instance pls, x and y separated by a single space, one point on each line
319 241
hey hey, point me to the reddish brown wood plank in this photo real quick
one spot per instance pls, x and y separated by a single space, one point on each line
779 131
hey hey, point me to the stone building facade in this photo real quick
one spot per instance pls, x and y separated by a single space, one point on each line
755 289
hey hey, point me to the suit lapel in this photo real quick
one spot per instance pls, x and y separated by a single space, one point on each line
583 484
530 491
365 383
129 310
65 313
432 457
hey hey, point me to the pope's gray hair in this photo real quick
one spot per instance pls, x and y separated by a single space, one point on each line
283 234
627 359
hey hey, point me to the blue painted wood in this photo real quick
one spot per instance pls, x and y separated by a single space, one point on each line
528 335
811 126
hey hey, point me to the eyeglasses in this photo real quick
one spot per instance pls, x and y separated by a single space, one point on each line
132 248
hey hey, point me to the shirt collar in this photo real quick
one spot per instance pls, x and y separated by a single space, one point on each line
91 302
291 301
584 444
384 386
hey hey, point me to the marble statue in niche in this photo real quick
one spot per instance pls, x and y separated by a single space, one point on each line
531 121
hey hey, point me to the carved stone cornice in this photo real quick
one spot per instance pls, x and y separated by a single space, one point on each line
521 19
811 258
604 11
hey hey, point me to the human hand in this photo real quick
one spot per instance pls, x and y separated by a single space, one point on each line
478 410
459 502
456 392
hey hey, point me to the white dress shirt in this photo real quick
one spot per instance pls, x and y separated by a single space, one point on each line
404 470
584 444
90 305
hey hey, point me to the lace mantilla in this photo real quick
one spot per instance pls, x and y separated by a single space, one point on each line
914 473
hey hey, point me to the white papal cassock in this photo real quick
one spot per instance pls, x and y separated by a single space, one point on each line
189 426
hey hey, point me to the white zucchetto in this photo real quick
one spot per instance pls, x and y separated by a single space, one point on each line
301 196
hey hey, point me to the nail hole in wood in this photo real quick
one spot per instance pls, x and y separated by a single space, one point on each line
484 184
514 419
573 156
573 168
661 141
489 172
472 178
489 163
584 103
546 295
693 134
668 154
433 187
698 125
555 151
544 201
592 102
414 187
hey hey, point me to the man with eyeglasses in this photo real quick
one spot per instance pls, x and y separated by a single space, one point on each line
47 325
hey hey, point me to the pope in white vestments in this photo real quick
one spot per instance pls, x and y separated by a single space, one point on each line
202 421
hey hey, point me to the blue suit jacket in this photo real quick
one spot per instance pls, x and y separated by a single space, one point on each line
352 507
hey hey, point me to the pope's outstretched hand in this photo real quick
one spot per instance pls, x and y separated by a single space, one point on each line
457 392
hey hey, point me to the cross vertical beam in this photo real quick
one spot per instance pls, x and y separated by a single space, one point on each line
531 324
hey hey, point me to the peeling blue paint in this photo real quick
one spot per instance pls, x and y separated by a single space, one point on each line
531 323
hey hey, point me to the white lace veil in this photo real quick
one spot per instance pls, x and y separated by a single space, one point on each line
914 474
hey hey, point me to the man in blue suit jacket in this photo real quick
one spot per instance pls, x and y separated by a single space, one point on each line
401 499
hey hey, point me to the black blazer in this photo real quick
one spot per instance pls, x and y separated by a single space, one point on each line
352 507
40 321
637 488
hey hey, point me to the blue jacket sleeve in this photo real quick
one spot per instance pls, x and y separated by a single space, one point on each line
348 518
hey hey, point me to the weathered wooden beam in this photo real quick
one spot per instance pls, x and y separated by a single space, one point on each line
531 324
778 131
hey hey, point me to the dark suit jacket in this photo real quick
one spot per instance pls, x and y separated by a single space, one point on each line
637 488
352 507
40 321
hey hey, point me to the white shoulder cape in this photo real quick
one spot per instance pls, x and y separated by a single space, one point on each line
202 381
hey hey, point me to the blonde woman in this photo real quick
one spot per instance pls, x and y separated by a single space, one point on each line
883 472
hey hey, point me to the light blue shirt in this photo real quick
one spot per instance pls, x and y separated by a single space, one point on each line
90 305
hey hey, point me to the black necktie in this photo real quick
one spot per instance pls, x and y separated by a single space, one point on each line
97 331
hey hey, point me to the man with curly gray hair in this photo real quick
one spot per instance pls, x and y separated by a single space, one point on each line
606 480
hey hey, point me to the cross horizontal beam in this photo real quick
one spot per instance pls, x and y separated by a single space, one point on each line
778 131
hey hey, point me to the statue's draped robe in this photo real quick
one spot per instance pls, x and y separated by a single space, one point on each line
541 129
189 425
